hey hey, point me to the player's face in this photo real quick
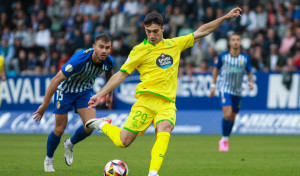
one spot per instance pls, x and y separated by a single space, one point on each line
101 49
154 33
235 42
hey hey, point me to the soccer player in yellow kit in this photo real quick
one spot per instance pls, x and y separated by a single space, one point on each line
2 72
157 60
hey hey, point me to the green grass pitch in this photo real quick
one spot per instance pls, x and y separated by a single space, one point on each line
190 155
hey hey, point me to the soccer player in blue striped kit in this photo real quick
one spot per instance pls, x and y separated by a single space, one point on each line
232 65
73 85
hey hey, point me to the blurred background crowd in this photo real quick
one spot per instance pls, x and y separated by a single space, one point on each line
39 36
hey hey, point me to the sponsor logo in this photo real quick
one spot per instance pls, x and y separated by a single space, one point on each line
279 97
267 123
223 100
69 68
58 104
164 61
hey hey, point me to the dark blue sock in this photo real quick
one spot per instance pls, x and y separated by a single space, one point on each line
226 127
230 125
52 144
79 135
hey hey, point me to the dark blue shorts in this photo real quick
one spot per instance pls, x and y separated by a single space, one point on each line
64 102
234 101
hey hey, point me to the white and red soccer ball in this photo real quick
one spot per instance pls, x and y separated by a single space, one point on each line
116 168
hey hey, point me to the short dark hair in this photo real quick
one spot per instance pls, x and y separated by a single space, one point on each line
154 18
235 33
106 38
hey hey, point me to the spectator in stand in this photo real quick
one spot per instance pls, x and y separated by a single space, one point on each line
37 6
77 8
63 60
22 61
248 19
29 38
274 62
32 62
8 52
78 40
88 41
271 13
295 61
53 9
209 15
117 23
45 62
87 26
56 25
42 37
131 8
55 56
261 18
43 19
177 20
257 58
287 43
271 38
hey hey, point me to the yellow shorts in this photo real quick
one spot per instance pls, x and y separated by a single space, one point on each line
148 109
1 63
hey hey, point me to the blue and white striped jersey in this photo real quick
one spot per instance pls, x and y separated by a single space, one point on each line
231 72
81 72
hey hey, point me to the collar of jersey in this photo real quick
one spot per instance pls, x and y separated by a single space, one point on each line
161 42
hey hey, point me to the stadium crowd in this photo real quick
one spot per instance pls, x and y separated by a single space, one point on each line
39 36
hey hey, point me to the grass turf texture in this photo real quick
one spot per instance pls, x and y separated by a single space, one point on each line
195 155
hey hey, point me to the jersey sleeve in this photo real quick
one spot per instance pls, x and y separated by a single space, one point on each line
1 63
72 66
133 60
218 62
185 42
112 63
248 65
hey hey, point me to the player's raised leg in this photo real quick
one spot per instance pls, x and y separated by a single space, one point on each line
80 134
120 137
159 149
54 139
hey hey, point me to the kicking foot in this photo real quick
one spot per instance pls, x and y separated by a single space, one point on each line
153 173
48 164
94 123
223 146
68 152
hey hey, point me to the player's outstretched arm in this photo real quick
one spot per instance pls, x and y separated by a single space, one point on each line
49 93
213 83
109 96
250 79
113 82
213 25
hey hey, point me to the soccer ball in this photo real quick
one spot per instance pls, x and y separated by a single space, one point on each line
116 168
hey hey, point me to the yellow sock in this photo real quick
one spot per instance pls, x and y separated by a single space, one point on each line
113 133
159 150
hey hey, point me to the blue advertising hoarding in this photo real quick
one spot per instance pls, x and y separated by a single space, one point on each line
187 122
27 92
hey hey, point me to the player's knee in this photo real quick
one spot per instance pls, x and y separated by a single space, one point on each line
228 116
59 131
125 143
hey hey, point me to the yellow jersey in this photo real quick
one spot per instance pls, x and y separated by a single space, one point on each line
158 65
1 63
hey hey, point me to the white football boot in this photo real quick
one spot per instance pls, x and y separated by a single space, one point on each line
48 164
96 123
153 173
68 152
